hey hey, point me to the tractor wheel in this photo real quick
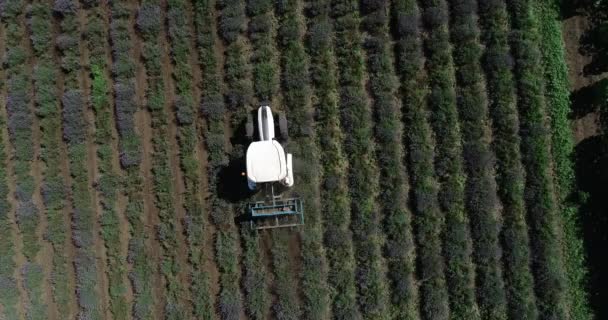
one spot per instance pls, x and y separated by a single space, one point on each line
283 126
249 126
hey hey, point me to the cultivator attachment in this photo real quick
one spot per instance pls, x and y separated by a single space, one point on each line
277 213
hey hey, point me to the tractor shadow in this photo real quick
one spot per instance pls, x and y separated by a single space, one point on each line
231 178
592 176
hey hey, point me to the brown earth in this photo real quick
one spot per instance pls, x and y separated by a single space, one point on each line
573 28
121 200
210 262
67 209
93 171
19 259
209 266
44 257
2 95
143 127
265 240
174 163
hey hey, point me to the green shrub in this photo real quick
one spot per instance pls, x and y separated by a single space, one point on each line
481 198
212 105
20 120
429 221
296 89
547 259
123 71
399 246
9 294
335 203
497 63
557 95
362 176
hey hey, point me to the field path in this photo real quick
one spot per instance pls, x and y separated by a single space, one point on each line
69 249
18 257
144 128
205 267
121 199
174 154
44 257
93 170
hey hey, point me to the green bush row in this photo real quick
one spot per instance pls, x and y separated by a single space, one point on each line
544 221
557 95
74 135
195 226
265 71
262 35
9 294
20 117
388 130
287 306
481 195
248 75
458 245
179 34
497 63
108 182
296 90
53 186
213 108
19 121
356 119
335 202
257 299
130 145
429 222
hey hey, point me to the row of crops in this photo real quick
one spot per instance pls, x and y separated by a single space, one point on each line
431 143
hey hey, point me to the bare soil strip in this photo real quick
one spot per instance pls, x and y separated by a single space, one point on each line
121 199
35 173
18 257
100 250
144 128
2 105
573 29
210 252
208 265
174 157
69 250
45 256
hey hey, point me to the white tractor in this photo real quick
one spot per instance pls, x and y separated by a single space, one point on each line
268 165
266 159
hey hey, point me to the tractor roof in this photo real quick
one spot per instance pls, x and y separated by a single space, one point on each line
266 161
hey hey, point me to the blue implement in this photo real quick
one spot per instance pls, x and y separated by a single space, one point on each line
276 213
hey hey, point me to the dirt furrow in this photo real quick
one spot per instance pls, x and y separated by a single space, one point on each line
143 126
121 199
93 173
19 259
2 106
44 257
67 179
208 263
174 152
